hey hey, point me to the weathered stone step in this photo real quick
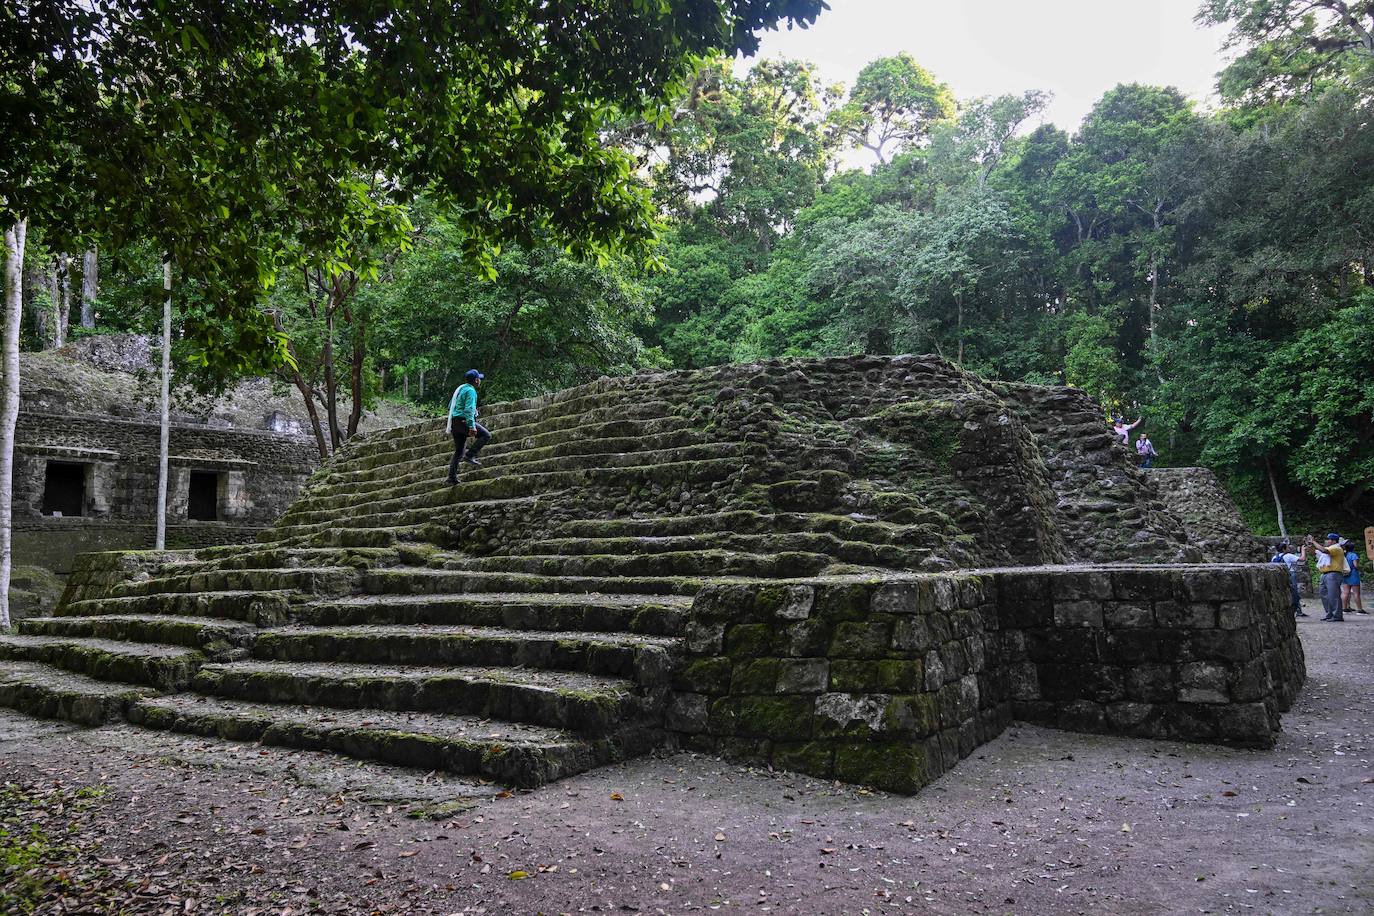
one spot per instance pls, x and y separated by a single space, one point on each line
505 443
646 659
770 543
578 702
680 563
289 530
509 753
415 581
325 580
191 632
164 667
406 482
537 423
438 494
738 521
240 556
657 615
518 452
50 692
264 609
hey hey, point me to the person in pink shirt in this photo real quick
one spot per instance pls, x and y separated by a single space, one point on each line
1120 427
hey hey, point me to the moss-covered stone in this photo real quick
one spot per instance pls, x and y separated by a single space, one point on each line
775 717
894 766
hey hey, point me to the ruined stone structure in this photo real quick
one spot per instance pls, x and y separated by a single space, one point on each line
86 457
859 568
87 482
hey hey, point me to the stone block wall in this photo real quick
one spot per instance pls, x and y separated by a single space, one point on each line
1193 653
886 683
260 475
889 682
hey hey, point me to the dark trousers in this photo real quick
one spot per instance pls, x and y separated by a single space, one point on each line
1331 595
460 439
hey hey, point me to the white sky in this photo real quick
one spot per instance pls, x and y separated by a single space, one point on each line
1077 49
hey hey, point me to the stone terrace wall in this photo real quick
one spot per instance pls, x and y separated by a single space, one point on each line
889 682
1210 519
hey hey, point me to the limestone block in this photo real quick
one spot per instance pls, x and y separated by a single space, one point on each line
1078 613
912 715
759 675
779 718
688 713
972 592
1202 682
968 696
807 638
1214 585
1195 615
904 598
803 675
853 639
1023 681
1079 585
893 766
1132 718
748 640
1083 716
1234 615
1145 585
1122 614
849 713
816 758
911 634
1151 683
799 602
704 638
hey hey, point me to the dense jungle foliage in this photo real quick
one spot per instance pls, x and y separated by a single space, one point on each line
1209 271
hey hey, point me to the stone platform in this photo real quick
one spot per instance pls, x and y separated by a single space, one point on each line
859 568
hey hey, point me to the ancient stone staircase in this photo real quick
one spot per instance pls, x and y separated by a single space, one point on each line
525 624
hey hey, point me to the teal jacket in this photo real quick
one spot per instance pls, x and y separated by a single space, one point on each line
463 404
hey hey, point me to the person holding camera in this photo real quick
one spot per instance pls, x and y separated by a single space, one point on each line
1332 568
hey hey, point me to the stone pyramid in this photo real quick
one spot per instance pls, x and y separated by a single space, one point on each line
852 567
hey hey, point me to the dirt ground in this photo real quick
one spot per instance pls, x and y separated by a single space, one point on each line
1037 821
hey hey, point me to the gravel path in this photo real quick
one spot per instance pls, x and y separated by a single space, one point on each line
1037 821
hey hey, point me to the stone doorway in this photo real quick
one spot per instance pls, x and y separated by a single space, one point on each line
64 488
203 496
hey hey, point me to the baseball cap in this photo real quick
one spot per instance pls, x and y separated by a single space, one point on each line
473 374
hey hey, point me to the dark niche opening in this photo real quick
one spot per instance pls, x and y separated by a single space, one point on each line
202 503
64 489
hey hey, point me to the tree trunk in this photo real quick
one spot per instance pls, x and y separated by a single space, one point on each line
41 281
422 384
355 373
62 301
304 387
959 304
9 402
1154 294
164 421
1274 488
331 383
405 385
90 286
